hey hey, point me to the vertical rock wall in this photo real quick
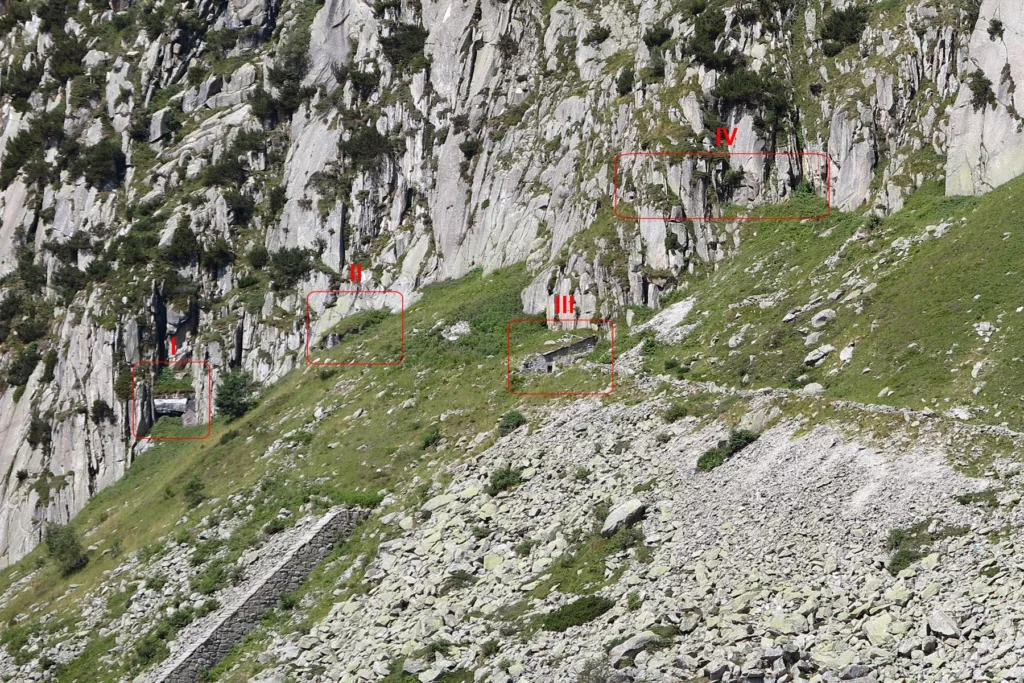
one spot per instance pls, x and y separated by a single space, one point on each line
986 138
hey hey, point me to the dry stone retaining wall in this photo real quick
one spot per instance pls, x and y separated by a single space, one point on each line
234 621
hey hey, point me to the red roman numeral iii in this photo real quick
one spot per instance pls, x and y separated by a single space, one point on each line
565 304
355 272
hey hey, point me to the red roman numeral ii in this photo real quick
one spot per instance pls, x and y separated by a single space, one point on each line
355 272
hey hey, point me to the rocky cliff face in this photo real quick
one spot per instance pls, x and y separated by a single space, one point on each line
986 131
153 154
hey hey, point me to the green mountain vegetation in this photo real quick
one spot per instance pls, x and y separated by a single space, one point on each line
914 333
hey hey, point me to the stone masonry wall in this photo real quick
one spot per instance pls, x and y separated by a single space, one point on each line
236 620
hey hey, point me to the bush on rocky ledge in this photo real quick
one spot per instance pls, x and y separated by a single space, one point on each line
737 441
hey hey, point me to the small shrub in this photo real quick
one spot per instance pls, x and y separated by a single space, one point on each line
581 474
737 441
228 170
194 491
903 558
366 148
576 613
981 90
289 601
490 648
656 70
235 395
68 280
526 547
183 249
288 266
22 475
511 421
469 148
662 438
845 26
181 618
702 44
259 257
103 165
404 47
624 83
248 280
274 526
995 29
217 256
744 88
19 371
63 547
20 83
156 582
675 412
480 532
508 46
431 439
240 205
39 433
503 479
695 7
634 601
831 47
276 199
657 36
626 538
290 67
149 649
101 412
597 35
457 580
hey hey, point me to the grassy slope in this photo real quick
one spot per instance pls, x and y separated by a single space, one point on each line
928 298
342 460
914 332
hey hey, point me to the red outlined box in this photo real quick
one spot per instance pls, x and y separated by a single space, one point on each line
508 357
401 298
821 155
209 401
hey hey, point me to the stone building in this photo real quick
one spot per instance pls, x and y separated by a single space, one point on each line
544 362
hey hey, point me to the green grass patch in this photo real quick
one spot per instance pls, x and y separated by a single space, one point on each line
578 612
504 478
911 544
714 457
